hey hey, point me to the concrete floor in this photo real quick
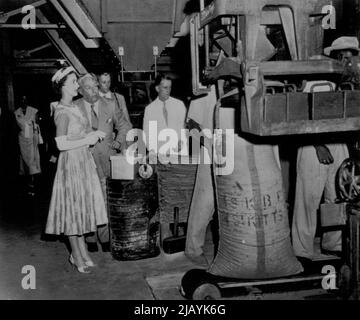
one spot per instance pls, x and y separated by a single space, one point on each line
22 243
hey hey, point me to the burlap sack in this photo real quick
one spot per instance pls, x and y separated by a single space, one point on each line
253 218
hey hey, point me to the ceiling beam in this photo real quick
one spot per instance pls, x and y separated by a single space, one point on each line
62 46
37 63
88 43
37 26
28 53
82 19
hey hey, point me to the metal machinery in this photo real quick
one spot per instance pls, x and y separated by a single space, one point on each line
273 102
125 37
267 46
349 221
272 48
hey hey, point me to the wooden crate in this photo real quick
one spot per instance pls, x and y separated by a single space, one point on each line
301 113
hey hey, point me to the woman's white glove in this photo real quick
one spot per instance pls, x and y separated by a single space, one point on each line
98 133
92 138
95 136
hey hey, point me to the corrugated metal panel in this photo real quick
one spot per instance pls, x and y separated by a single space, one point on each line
140 10
138 40
85 24
136 25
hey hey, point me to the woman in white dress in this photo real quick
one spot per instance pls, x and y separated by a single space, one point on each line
77 204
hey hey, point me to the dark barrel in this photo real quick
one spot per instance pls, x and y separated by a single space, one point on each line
133 219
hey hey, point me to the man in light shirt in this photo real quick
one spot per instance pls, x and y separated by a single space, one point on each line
165 112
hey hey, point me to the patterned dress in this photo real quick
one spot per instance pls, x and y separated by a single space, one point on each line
77 204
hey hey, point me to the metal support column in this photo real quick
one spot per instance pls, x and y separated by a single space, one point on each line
61 45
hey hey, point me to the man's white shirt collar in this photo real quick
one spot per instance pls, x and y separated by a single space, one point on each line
162 102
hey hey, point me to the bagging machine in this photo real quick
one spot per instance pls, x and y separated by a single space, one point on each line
273 102
273 50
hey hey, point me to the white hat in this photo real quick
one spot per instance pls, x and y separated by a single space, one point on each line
343 43
61 73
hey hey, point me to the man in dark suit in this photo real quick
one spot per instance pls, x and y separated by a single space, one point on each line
105 116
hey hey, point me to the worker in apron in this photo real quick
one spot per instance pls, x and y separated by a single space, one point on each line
29 140
317 166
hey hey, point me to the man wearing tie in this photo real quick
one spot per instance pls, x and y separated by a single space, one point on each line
103 115
167 113
104 91
164 113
